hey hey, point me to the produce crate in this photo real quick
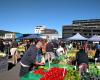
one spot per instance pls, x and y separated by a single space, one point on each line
3 64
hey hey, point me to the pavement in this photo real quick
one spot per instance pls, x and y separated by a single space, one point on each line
11 74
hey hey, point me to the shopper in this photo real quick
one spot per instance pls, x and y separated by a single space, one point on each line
60 51
14 52
1 46
82 60
29 58
49 52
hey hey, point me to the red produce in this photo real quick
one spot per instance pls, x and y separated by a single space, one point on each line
39 71
54 74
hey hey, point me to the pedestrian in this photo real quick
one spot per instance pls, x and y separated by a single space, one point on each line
14 52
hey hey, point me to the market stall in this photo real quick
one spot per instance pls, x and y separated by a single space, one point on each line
77 37
94 38
60 69
55 72
68 72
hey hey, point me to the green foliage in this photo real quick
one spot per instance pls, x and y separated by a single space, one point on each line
55 61
72 75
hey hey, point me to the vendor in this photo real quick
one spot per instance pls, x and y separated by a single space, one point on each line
29 58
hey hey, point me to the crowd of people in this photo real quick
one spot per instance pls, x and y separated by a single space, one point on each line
38 52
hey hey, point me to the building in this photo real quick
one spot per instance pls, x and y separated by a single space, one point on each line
86 28
10 36
44 32
51 33
38 29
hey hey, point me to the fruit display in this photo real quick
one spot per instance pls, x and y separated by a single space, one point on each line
98 65
55 74
64 72
43 67
94 70
73 51
72 75
62 62
62 57
21 48
2 54
72 54
39 71
91 54
55 61
59 69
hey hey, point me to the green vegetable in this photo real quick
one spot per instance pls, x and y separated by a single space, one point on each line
55 61
72 75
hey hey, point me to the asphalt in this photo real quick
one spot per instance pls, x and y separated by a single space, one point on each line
12 73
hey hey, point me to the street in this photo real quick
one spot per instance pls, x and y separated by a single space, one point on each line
12 74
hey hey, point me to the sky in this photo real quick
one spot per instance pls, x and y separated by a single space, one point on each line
24 15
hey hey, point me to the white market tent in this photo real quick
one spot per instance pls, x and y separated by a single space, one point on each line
94 38
77 37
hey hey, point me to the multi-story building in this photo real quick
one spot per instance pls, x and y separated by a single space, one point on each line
38 29
10 36
86 28
51 33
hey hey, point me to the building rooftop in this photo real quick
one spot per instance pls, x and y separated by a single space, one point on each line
49 31
86 21
3 32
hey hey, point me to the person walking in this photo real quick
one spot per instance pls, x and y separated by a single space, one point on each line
14 52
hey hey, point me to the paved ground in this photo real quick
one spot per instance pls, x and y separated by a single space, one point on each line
12 74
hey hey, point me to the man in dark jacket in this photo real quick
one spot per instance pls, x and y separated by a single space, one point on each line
82 60
29 58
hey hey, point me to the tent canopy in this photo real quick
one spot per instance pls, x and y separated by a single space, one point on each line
94 38
31 36
77 37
